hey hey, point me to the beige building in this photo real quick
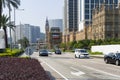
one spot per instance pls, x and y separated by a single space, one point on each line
55 37
106 23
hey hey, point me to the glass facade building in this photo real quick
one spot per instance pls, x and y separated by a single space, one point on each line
70 15
86 7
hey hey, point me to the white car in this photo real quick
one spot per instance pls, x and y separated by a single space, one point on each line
81 53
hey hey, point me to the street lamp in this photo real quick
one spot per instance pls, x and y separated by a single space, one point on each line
9 25
15 22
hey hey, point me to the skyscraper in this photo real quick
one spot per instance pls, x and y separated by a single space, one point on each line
86 7
70 15
29 31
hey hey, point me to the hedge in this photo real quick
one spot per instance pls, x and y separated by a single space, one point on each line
14 52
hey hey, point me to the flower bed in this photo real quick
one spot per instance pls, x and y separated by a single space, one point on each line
21 69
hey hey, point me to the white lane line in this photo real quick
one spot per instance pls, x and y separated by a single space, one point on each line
77 73
54 69
101 71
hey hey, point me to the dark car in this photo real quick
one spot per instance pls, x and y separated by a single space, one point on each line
43 52
58 51
112 58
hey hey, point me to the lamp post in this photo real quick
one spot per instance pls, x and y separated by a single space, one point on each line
15 23
9 25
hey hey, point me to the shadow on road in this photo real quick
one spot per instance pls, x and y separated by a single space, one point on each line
50 75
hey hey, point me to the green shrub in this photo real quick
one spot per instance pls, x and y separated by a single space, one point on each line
14 52
95 53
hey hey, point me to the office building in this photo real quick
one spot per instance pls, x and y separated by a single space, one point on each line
70 15
32 33
86 8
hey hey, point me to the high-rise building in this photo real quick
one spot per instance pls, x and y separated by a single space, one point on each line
56 23
86 7
32 33
70 15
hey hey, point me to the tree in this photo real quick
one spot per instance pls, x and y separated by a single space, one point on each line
4 24
24 42
9 4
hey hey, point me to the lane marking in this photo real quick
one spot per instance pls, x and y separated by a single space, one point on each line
101 71
77 73
54 69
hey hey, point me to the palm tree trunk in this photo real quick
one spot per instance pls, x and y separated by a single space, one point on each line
6 40
0 12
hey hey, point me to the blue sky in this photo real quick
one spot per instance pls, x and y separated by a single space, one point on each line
35 12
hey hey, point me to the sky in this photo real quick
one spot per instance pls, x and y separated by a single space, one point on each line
36 11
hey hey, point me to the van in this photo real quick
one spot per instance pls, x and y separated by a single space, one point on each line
81 53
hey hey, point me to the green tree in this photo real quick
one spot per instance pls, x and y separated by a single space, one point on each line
4 24
9 4
24 42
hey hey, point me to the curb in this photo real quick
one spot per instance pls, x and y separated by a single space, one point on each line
95 56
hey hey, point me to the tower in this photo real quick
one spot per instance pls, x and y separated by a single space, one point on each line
47 32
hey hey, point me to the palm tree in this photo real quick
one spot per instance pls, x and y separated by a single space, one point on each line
9 4
4 24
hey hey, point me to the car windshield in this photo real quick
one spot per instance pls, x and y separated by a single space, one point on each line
58 50
43 51
118 54
83 51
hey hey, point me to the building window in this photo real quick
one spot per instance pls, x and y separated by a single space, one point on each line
86 6
86 1
86 16
116 1
87 12
92 1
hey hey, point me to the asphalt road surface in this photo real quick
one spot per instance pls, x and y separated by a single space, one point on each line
66 67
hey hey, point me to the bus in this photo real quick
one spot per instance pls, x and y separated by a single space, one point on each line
2 40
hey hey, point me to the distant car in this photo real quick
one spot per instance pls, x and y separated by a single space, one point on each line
112 58
49 52
43 52
58 51
81 53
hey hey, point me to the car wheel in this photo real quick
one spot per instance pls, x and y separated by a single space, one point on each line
117 62
75 56
106 61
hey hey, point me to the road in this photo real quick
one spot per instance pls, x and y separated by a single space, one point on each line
66 67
